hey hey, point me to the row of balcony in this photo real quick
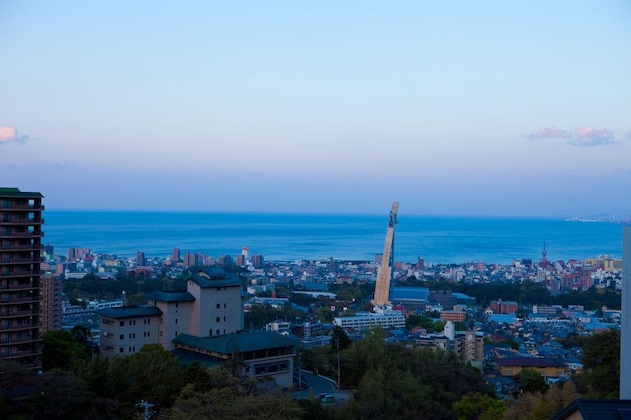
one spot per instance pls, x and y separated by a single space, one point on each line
19 273
14 206
17 287
8 259
21 222
8 234
27 247
16 354
16 314
15 300
18 327
19 340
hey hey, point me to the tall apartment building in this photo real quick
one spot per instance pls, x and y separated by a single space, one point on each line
50 303
20 257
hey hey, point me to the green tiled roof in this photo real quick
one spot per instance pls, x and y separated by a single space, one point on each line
129 312
14 192
215 277
162 296
226 344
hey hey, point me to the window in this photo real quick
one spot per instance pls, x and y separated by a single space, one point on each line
224 306
176 333
121 337
224 318
218 305
122 323
160 333
121 350
176 320
218 332
218 319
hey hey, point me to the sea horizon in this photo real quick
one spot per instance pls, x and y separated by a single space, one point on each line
343 236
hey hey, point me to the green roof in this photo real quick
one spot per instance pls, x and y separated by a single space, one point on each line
14 192
129 312
168 296
214 277
226 344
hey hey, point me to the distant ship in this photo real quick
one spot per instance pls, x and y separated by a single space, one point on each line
612 219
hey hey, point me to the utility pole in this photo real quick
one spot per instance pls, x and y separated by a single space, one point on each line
339 382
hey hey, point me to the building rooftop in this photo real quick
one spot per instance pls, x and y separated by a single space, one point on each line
214 277
14 192
167 296
129 312
226 344
600 409
409 293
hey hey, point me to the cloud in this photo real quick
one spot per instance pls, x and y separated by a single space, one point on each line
549 133
10 134
590 136
584 136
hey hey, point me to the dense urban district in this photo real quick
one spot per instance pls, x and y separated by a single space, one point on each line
194 336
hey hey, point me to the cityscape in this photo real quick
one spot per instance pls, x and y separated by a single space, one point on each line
315 210
202 309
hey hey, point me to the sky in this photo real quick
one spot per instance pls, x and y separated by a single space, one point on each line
451 108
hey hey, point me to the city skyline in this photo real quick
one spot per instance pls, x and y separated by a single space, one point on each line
458 109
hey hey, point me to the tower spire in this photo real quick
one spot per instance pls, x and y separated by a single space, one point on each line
384 275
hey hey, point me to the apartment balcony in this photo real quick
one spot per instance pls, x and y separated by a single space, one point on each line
22 221
20 235
16 300
18 354
29 247
16 273
17 314
17 287
20 340
18 260
26 207
17 327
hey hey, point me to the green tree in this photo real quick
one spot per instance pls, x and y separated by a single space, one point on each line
60 350
478 407
531 381
340 340
601 363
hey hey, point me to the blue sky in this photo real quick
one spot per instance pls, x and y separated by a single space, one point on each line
472 108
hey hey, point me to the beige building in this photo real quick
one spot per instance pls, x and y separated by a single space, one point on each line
211 306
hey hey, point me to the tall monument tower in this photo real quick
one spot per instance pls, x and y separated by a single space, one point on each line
384 275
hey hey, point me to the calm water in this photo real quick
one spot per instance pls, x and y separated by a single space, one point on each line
284 237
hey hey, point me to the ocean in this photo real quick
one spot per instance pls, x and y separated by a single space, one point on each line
289 237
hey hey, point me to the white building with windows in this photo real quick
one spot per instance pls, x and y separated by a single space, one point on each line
366 320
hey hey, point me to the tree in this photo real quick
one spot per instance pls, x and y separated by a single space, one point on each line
60 350
601 362
478 406
531 381
340 338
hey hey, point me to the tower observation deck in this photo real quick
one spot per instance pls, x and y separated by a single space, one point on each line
384 275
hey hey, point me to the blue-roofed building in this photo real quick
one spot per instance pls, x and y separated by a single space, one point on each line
502 318
411 297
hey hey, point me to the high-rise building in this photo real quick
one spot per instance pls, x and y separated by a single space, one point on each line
51 303
625 340
20 257
140 259
175 256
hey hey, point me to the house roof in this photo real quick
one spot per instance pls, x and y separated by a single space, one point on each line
167 296
600 409
129 312
226 344
529 362
214 277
